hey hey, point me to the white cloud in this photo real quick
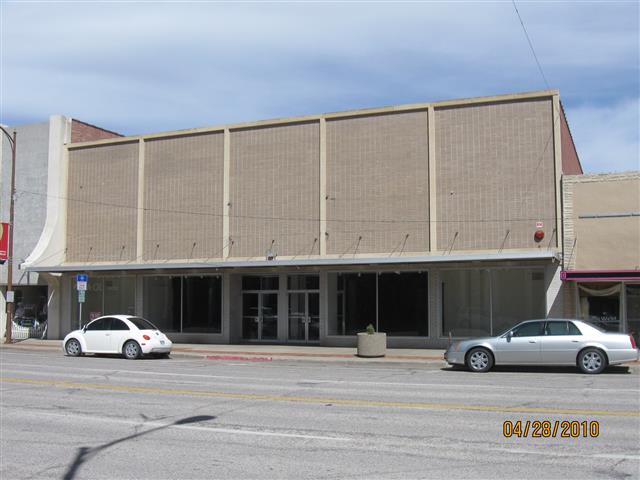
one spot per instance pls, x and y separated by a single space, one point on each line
607 137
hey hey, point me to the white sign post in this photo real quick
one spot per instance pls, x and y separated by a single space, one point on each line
81 285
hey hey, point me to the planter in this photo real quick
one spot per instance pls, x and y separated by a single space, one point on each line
372 344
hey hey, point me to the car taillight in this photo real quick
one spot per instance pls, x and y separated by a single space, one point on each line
146 337
633 341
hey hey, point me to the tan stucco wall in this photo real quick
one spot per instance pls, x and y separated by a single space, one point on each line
398 180
378 184
183 197
102 203
495 173
602 243
274 190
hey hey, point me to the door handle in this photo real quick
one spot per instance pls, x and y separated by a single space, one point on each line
532 341
575 341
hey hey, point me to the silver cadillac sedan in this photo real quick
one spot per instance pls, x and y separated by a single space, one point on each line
546 342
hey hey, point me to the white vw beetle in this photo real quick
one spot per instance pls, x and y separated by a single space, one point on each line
124 334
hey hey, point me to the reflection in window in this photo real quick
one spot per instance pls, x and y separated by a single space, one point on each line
162 301
403 304
356 293
633 311
517 295
202 305
465 303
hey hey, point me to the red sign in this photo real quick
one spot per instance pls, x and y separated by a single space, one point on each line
4 241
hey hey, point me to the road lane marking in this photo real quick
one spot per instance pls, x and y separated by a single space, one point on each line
233 431
320 400
101 371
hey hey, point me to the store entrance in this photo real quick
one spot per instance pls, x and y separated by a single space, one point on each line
304 317
259 316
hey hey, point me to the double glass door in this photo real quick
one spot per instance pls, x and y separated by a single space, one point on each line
260 315
304 317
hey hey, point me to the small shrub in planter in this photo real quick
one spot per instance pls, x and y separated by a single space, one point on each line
372 343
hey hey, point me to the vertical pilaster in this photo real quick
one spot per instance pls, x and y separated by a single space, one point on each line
431 138
140 222
323 187
557 159
226 207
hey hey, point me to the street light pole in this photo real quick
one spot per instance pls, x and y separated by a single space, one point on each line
10 301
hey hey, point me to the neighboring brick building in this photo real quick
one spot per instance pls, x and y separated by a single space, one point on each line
602 249
420 219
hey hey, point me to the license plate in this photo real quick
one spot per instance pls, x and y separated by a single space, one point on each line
161 342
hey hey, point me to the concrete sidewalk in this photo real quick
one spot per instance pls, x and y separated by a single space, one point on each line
266 353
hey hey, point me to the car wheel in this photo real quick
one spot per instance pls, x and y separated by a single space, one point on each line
592 360
479 360
131 350
73 348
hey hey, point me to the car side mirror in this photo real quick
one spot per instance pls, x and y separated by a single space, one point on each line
509 335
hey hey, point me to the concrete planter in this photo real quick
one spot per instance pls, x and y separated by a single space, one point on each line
372 344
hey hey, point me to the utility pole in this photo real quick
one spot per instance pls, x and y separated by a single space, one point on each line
10 298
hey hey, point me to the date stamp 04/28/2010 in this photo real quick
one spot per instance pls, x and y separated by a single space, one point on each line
550 429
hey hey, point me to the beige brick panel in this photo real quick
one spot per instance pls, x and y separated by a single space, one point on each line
183 197
102 206
378 184
274 190
495 173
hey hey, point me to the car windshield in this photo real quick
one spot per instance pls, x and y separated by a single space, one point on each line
142 324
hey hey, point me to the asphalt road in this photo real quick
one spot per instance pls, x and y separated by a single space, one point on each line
100 417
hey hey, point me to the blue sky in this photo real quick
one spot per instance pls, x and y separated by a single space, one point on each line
138 67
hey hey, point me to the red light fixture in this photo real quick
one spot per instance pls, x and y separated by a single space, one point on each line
146 337
539 235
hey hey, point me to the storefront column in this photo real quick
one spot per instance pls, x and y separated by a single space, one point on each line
554 292
435 303
327 306
233 307
226 307
283 309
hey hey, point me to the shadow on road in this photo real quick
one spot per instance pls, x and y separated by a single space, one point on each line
85 453
613 370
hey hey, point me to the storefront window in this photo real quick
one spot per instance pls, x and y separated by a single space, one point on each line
190 304
489 302
466 303
517 295
600 305
120 296
633 311
403 304
162 302
202 305
357 294
400 297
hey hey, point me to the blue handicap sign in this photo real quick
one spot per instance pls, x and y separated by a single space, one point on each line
82 277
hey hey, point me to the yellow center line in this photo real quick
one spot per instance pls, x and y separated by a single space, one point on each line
320 400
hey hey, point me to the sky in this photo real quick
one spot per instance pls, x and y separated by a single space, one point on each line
141 67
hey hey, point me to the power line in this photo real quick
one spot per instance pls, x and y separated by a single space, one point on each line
530 44
287 219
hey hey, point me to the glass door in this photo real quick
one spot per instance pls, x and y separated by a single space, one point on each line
251 316
259 316
304 317
268 316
